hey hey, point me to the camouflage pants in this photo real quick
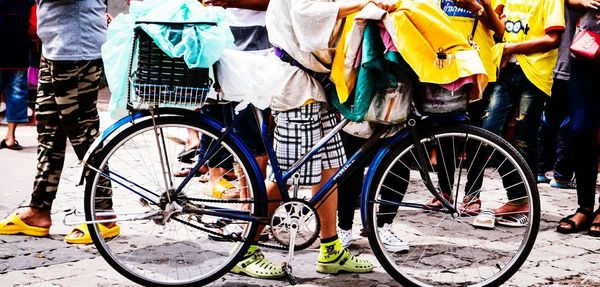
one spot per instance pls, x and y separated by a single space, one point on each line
65 108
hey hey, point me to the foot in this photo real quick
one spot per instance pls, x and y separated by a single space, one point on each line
76 233
254 264
434 203
345 237
10 144
471 206
595 227
542 178
563 184
36 217
391 241
575 222
510 208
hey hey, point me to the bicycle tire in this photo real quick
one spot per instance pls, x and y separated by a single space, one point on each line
447 249
133 266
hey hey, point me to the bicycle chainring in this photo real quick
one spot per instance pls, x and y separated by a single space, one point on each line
295 213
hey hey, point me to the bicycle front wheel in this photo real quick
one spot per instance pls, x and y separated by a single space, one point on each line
167 238
488 183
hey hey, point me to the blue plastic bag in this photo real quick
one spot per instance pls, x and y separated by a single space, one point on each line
199 45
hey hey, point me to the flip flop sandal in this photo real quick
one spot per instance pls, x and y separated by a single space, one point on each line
15 146
187 155
107 233
345 262
573 228
222 189
595 233
435 204
184 171
14 225
467 208
513 220
257 266
486 219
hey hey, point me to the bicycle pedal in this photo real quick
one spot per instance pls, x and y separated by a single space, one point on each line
287 271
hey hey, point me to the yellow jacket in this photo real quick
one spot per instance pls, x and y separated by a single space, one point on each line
419 30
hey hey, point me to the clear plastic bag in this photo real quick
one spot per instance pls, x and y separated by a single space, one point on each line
392 105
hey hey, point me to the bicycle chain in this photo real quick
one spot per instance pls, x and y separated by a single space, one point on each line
278 246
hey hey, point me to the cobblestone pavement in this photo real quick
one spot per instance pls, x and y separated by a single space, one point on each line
556 260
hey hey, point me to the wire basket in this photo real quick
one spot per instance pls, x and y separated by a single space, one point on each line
162 80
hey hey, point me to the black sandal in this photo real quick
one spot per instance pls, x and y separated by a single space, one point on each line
573 228
15 146
595 233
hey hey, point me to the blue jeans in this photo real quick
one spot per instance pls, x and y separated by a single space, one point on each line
514 94
14 85
555 141
584 100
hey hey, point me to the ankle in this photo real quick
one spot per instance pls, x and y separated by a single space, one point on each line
330 249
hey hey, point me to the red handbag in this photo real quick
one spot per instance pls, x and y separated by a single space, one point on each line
586 46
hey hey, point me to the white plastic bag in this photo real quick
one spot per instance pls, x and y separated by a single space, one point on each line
248 77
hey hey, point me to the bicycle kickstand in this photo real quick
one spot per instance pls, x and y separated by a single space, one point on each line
287 265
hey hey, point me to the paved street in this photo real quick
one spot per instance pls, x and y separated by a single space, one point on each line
557 260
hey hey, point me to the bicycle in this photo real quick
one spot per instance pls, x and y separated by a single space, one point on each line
166 221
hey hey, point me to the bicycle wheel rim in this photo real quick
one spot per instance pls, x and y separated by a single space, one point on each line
443 268
192 258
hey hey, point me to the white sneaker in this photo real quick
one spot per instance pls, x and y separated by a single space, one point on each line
390 240
345 237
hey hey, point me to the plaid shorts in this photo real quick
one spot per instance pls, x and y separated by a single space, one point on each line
297 131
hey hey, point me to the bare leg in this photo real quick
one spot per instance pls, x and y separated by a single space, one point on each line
10 134
328 209
193 139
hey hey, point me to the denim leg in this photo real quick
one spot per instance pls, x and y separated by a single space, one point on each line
584 100
528 121
501 104
15 92
546 144
559 103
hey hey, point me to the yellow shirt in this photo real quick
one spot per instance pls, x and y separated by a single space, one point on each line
463 21
531 19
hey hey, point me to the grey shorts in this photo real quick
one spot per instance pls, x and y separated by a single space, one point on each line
298 130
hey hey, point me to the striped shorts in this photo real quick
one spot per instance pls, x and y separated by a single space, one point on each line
297 131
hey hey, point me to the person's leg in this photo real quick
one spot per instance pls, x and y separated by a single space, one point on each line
546 143
52 142
504 98
584 99
15 93
501 103
528 121
563 165
349 189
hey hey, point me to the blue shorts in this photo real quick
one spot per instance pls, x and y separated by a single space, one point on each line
13 83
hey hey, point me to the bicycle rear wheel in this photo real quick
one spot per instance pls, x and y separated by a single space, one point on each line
199 242
470 167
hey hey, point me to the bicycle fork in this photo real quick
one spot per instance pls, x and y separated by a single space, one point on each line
422 159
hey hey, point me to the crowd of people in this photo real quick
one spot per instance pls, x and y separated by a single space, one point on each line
546 96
